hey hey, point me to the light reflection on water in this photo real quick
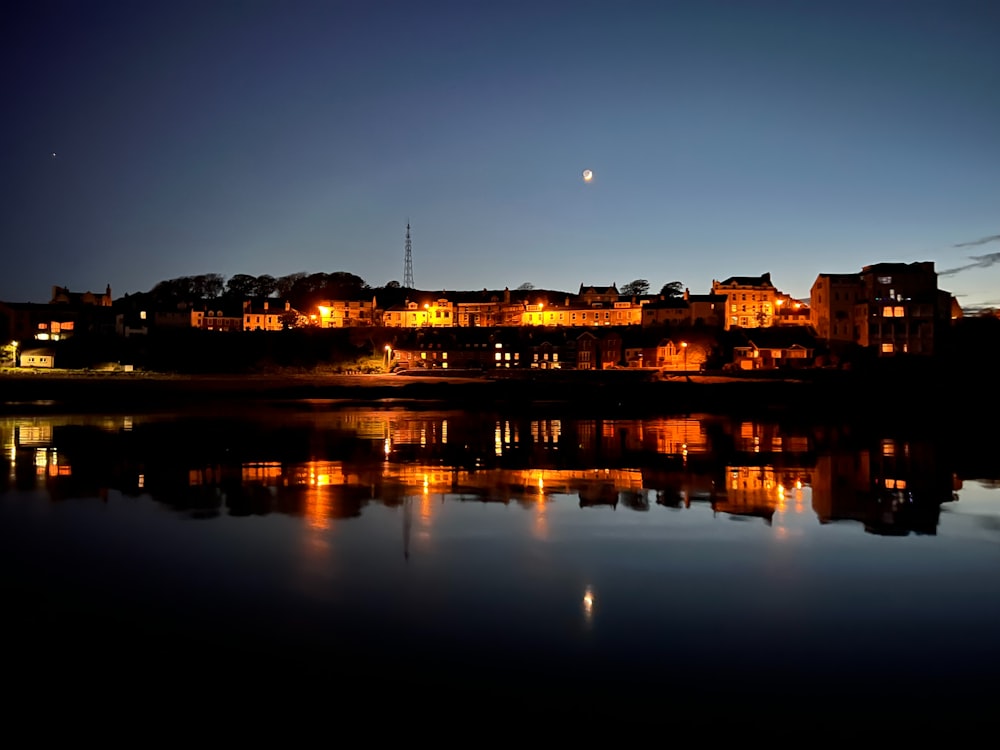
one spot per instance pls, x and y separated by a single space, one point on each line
714 549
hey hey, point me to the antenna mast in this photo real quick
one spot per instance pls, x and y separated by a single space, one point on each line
408 261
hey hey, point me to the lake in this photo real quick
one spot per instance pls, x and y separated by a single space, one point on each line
697 562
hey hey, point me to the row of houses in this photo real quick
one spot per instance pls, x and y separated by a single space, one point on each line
663 348
890 308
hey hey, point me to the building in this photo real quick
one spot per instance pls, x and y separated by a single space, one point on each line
890 308
261 316
38 358
832 298
901 311
345 313
775 347
63 296
749 300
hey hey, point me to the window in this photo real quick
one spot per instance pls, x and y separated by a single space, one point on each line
887 348
898 311
733 308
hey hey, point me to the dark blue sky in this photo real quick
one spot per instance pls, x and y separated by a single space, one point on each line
726 138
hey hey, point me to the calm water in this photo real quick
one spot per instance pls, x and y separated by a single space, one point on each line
691 561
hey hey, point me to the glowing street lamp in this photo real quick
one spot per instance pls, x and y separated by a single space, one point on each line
684 348
388 356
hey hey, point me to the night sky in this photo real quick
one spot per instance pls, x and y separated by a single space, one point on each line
147 140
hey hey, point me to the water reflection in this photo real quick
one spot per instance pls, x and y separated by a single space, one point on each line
712 556
329 467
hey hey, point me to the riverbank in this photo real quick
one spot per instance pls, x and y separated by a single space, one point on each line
625 393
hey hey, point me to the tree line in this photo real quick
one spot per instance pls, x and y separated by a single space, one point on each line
304 290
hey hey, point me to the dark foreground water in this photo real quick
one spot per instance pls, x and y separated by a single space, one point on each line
690 566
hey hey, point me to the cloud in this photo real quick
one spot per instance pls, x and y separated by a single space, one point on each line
979 261
981 241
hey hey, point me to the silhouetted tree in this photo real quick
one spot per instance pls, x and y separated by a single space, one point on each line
241 285
265 285
637 287
527 286
285 284
672 289
392 285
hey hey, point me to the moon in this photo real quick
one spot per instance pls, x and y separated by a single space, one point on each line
587 175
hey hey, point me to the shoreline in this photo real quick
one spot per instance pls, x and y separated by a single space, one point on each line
618 393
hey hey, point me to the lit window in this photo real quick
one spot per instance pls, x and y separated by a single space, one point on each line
898 311
142 315
887 312
887 348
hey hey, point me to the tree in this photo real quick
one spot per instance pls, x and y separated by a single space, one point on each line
527 286
672 289
392 285
637 287
286 283
241 285
265 285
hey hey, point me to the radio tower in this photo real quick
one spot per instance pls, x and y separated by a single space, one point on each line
408 261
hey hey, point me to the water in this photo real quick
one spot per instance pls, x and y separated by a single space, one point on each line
696 562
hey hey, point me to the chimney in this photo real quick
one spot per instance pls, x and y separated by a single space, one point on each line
687 294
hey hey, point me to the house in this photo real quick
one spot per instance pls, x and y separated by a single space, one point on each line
775 348
749 300
706 309
344 313
38 358
600 350
261 316
218 315
63 296
425 312
675 311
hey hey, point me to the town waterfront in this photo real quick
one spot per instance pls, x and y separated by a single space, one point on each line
706 561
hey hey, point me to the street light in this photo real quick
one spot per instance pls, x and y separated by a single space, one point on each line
13 348
684 348
388 355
